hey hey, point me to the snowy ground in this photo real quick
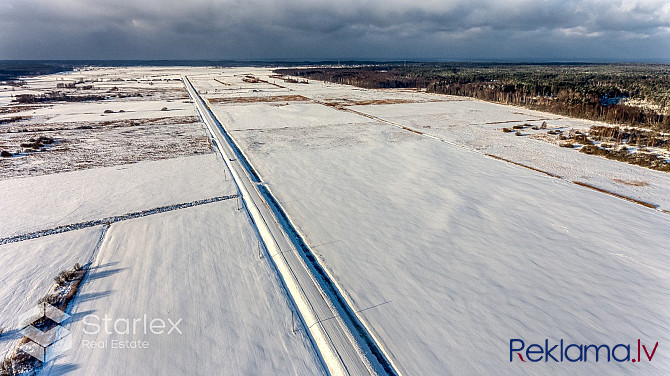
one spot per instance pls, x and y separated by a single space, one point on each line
460 267
136 115
471 123
235 316
444 253
78 147
103 192
28 269
449 254
478 125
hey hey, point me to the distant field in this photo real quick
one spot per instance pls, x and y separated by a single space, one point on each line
634 97
631 94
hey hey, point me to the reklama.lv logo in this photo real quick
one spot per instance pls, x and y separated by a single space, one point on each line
578 352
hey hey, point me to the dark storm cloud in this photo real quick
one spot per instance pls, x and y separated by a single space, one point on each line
301 29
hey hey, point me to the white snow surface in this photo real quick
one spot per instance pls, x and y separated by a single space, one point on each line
445 254
236 319
460 265
94 112
269 117
42 202
28 270
448 254
477 125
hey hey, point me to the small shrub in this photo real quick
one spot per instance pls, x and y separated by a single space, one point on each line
37 143
5 154
109 111
6 368
566 145
590 149
31 145
518 133
506 130
164 109
582 139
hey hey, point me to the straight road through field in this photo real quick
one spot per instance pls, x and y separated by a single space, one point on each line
343 343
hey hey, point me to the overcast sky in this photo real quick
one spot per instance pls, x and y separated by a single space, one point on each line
533 30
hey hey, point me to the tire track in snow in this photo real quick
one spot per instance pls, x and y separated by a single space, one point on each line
110 220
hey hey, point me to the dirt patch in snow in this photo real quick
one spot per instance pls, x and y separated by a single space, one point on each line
639 202
634 183
273 98
341 102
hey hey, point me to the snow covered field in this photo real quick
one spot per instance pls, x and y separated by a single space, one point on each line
198 264
110 117
478 124
235 316
102 192
28 269
444 254
471 123
449 254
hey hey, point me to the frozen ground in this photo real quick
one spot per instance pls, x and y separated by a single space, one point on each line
473 124
444 253
78 147
133 115
460 266
47 201
28 269
478 125
235 316
448 254
95 112
198 264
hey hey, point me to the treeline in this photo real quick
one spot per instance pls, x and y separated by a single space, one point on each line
362 77
570 102
572 90
11 70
